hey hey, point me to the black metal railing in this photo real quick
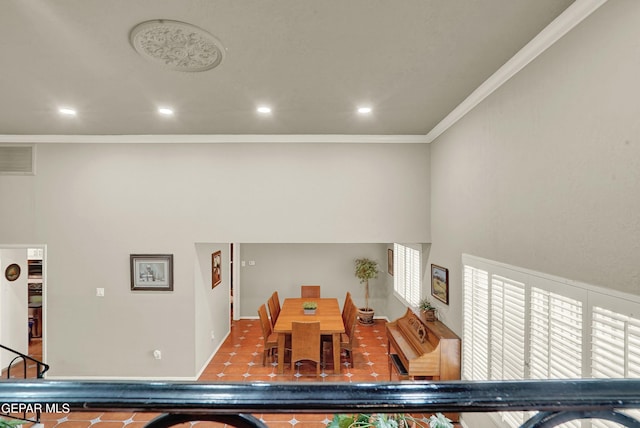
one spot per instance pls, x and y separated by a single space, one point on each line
41 369
556 401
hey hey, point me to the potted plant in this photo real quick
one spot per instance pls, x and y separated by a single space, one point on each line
427 310
440 421
383 420
10 423
309 307
366 269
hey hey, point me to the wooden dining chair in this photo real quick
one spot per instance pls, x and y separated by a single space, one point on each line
274 308
310 291
305 343
270 338
348 338
346 308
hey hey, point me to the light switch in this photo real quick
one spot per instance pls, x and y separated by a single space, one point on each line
244 263
100 292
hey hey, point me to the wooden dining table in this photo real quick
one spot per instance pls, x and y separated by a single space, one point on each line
329 315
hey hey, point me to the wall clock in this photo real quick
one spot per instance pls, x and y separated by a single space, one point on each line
12 272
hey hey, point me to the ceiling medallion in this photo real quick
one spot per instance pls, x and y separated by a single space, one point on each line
177 45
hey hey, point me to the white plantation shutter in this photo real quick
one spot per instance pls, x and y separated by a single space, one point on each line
507 329
399 270
507 358
608 335
615 349
523 324
475 343
559 320
407 274
539 337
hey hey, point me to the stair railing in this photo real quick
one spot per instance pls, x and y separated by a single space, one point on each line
41 369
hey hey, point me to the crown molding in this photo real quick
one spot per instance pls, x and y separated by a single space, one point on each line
228 138
560 26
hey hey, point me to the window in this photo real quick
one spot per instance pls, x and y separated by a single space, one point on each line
407 274
520 324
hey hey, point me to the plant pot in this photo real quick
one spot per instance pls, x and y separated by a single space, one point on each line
309 311
429 315
365 316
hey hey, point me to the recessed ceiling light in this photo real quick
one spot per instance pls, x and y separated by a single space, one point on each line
264 109
67 111
364 110
165 111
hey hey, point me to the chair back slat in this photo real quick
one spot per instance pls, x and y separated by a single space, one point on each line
274 308
305 342
311 291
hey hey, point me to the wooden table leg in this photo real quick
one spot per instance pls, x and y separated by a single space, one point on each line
281 340
336 353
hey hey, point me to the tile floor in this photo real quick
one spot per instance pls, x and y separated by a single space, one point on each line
239 359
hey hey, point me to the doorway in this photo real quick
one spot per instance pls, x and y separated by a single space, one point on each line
22 307
35 301
231 284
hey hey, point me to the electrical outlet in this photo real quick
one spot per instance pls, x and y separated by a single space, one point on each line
157 354
100 292
252 263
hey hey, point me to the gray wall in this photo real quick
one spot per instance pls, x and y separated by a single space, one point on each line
284 267
545 173
211 310
95 204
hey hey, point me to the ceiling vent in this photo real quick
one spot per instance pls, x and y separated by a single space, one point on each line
17 160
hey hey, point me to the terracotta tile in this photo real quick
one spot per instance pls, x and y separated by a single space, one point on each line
110 424
280 424
143 416
136 425
245 341
83 416
75 424
116 416
50 416
312 417
235 369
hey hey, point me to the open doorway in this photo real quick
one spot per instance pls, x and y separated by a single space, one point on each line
231 284
35 301
22 308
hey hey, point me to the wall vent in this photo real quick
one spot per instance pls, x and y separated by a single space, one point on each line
17 159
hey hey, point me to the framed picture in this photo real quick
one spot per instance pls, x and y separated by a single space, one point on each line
216 268
152 272
440 283
12 272
390 261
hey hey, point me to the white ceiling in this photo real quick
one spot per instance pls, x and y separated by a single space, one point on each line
313 61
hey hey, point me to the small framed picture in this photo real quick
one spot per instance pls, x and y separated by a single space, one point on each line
440 283
12 272
390 261
216 268
152 272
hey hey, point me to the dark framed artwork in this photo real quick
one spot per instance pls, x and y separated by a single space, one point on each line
440 283
390 261
12 272
216 268
151 272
